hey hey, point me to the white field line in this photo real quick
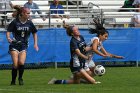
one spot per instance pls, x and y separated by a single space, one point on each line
43 91
30 91
4 89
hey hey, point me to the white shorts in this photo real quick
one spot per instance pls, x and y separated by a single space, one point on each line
89 64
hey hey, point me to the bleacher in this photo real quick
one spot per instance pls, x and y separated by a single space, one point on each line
44 7
105 4
83 12
110 15
119 18
43 4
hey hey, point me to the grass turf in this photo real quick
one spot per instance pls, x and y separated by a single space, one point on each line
116 80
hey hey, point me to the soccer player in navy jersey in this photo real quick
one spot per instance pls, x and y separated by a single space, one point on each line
21 28
78 56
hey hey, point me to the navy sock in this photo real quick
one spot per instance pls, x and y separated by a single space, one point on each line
21 71
60 82
14 74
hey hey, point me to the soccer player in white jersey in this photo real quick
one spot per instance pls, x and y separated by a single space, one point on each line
97 46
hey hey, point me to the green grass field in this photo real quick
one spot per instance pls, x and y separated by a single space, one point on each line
116 80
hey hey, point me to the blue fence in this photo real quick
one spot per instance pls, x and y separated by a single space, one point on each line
54 46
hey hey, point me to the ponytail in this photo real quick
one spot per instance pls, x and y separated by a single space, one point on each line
99 29
19 11
69 29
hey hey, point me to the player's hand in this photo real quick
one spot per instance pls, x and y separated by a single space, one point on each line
9 40
89 57
36 47
119 57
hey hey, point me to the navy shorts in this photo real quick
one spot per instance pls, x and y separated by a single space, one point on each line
19 48
76 69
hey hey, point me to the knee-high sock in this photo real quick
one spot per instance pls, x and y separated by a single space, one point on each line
60 82
21 71
14 74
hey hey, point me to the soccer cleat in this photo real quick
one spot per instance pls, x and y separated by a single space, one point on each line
20 81
98 82
52 81
13 83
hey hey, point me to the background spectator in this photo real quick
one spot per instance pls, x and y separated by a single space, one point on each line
137 18
127 4
136 3
31 5
56 5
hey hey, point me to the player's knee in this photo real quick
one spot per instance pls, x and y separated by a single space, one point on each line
15 66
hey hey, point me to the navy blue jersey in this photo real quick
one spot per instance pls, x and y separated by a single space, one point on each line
21 31
77 44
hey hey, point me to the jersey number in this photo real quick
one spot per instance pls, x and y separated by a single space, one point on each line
22 34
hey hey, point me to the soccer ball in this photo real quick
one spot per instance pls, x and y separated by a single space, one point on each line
99 70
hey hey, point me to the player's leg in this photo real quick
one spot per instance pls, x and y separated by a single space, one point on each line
74 80
14 56
87 77
22 58
90 65
70 81
89 68
83 77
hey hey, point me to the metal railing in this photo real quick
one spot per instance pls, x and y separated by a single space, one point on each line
89 12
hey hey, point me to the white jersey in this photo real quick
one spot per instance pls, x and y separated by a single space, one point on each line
90 63
90 44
